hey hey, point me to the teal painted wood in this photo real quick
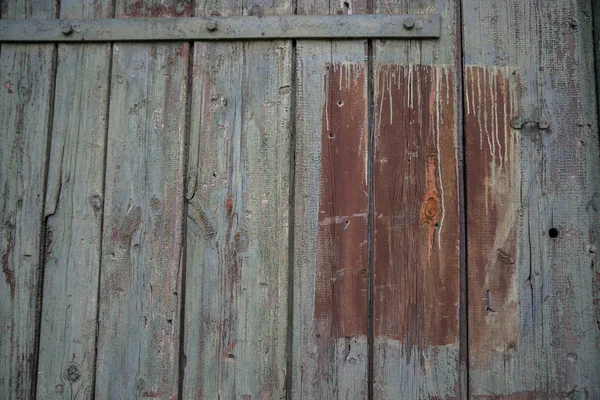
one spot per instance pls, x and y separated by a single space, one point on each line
73 213
237 228
416 176
330 280
140 284
27 75
533 292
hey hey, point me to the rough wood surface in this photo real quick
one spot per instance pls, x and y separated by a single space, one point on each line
238 189
26 75
73 213
139 317
416 210
330 277
533 298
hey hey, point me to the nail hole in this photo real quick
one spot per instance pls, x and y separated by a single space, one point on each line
553 232
331 135
340 103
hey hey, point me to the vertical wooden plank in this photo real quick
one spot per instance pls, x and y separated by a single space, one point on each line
139 317
533 200
416 210
27 76
330 281
73 213
237 244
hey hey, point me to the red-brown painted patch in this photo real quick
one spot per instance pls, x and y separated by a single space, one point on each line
492 214
416 266
155 9
341 285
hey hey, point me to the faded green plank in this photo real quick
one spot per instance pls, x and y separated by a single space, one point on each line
416 206
26 75
533 298
73 213
237 258
140 283
330 279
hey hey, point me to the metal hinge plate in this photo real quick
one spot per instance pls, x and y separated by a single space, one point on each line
227 28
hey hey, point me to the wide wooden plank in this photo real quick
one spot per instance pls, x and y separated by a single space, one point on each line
330 358
139 317
532 200
330 271
27 76
416 210
238 188
73 212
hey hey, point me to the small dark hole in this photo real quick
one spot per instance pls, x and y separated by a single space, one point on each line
340 103
331 135
553 232
346 4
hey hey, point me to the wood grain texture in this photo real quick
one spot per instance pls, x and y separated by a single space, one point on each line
416 210
238 214
27 76
533 298
139 317
73 213
330 279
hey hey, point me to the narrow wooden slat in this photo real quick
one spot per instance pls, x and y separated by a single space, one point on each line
238 186
73 214
330 280
27 75
533 298
139 317
416 211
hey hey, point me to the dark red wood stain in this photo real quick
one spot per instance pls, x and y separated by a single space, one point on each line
341 278
492 221
416 263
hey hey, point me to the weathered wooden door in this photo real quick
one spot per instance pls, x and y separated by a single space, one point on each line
302 218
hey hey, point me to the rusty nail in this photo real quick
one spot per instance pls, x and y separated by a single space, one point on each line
409 23
211 25
67 29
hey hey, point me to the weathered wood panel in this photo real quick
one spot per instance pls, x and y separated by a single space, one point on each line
238 189
27 76
139 317
532 199
330 278
416 210
73 213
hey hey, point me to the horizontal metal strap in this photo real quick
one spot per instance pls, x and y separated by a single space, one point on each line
230 28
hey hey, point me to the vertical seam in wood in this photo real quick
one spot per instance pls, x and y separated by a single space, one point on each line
107 113
595 38
42 252
463 339
183 256
291 223
370 213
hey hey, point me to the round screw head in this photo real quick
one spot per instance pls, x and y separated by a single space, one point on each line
409 23
211 25
67 29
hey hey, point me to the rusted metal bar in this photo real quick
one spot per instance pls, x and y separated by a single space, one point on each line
229 28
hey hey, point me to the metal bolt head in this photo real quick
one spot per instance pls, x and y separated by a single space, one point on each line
67 29
409 23
211 25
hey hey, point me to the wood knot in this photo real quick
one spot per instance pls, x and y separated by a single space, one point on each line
72 373
430 209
